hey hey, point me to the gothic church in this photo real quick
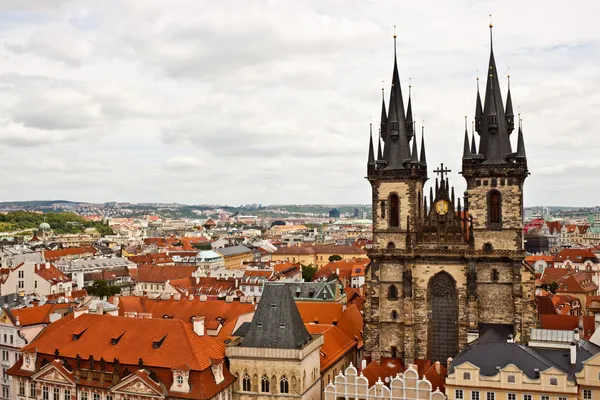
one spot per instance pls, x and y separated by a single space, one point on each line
444 270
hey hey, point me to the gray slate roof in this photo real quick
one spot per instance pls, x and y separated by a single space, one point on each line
276 322
323 291
491 351
231 250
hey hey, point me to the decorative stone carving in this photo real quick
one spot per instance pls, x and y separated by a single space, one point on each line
472 280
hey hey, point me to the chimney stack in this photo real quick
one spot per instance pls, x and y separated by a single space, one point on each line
576 335
573 349
198 325
438 368
363 364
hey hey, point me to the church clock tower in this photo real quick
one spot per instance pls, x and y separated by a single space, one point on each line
444 270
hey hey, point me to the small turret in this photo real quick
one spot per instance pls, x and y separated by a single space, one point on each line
466 149
521 156
423 160
478 110
508 113
410 131
371 160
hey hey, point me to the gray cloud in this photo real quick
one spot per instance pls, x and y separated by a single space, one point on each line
269 102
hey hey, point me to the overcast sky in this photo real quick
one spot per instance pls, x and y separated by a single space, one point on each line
270 101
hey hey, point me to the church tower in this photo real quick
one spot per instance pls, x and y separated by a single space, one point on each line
444 270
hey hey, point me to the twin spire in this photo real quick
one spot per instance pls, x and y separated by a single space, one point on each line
494 121
396 131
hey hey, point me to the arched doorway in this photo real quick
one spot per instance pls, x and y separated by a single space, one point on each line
443 318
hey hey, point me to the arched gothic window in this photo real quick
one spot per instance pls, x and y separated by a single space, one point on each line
284 385
495 275
392 292
246 385
494 207
264 384
391 245
394 210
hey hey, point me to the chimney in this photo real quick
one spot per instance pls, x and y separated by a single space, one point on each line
363 364
79 311
100 308
191 297
576 335
198 325
509 339
18 322
237 283
47 265
337 271
438 368
573 353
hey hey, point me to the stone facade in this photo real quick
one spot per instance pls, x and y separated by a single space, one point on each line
298 367
442 269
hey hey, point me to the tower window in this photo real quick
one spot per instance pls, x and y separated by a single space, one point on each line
495 275
392 292
394 315
246 386
382 205
494 207
264 384
394 210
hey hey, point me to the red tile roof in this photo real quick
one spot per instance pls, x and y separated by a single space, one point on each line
568 323
576 255
385 368
37 315
162 273
569 281
336 344
53 255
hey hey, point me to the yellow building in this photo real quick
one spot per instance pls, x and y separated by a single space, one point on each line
503 370
294 254
323 252
234 256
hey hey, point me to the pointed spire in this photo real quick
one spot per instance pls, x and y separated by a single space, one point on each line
466 149
397 149
423 160
520 142
495 142
473 146
382 126
431 196
452 198
414 157
478 108
425 206
409 117
510 116
371 152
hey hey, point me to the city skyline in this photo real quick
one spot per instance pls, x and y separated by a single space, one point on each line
271 103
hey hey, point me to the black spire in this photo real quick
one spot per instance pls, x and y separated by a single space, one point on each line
414 157
423 160
382 126
521 156
473 146
277 322
478 110
371 152
495 143
397 149
409 117
510 116
466 149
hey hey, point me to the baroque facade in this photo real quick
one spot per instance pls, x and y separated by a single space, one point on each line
444 270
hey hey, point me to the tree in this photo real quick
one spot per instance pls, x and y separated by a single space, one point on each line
335 257
101 288
308 271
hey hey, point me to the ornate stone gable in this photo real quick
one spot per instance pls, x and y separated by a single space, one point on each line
55 373
136 384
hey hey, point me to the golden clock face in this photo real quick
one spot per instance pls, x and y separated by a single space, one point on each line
441 207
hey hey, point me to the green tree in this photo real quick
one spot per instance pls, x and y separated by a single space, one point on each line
553 287
101 288
335 257
308 271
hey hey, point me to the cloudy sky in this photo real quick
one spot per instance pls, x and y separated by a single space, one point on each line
268 102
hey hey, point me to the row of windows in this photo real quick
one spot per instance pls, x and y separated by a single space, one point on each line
475 395
284 386
511 378
55 393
